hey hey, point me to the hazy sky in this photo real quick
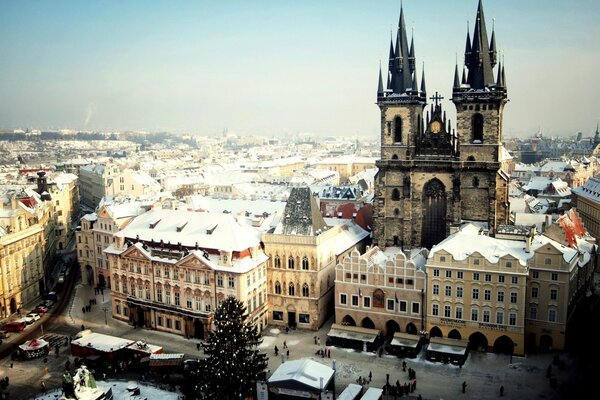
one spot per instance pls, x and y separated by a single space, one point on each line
273 67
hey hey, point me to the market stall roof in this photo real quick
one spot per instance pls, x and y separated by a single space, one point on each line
303 374
447 345
372 394
165 360
353 333
351 392
405 340
33 344
101 342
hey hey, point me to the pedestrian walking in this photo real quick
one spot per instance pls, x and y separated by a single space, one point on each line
284 345
464 386
287 329
43 386
370 376
198 346
501 390
319 341
288 354
83 309
82 327
328 353
276 350
404 366
315 339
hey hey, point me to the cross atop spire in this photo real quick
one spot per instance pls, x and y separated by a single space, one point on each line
437 98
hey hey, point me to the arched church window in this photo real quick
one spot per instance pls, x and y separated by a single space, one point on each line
470 158
305 263
395 194
291 289
291 263
477 128
277 288
277 262
397 129
305 291
395 157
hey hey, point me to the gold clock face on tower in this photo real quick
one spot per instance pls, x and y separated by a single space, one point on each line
435 127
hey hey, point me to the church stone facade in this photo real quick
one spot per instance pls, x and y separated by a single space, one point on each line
431 176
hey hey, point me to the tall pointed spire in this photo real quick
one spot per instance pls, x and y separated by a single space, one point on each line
423 89
479 62
493 52
456 78
468 45
411 54
380 84
464 77
415 85
402 79
499 78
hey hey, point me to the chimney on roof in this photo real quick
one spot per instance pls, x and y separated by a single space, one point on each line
529 238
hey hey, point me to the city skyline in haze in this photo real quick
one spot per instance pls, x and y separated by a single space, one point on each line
280 67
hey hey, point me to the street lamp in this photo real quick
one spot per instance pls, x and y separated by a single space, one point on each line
105 310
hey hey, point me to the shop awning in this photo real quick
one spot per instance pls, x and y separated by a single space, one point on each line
448 346
353 333
405 340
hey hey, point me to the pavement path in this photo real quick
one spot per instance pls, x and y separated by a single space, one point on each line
484 373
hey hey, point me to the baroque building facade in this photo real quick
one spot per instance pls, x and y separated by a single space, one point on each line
170 270
431 176
382 290
512 293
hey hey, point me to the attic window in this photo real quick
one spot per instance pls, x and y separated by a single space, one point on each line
181 226
154 223
211 229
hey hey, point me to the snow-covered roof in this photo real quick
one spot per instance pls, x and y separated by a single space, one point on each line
101 342
304 373
350 233
589 190
469 240
209 230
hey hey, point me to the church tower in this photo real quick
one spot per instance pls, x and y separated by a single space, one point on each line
431 176
479 99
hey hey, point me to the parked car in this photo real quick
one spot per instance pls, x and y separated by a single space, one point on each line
40 309
34 315
14 326
26 320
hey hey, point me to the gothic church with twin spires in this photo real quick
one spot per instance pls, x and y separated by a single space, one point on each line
431 176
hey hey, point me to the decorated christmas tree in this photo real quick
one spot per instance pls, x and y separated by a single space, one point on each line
233 364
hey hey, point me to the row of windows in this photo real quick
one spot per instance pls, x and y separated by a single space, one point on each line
477 276
291 289
486 314
533 314
487 293
536 274
363 278
291 263
553 293
394 305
